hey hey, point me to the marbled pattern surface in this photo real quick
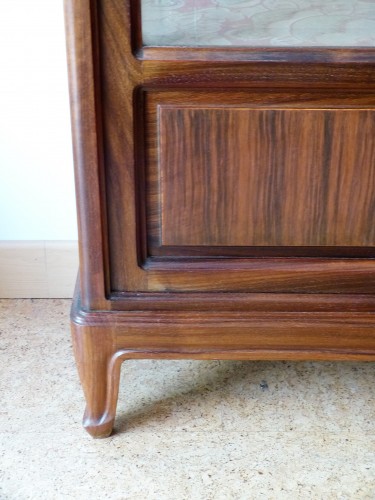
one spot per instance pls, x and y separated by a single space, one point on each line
185 429
259 23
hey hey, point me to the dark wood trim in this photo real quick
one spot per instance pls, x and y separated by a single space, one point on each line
135 16
263 75
292 55
273 275
160 253
166 331
229 301
81 36
140 134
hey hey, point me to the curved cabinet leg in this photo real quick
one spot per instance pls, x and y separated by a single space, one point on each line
99 371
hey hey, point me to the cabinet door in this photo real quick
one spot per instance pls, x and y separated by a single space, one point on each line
233 168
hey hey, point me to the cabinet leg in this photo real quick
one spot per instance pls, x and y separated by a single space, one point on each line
99 371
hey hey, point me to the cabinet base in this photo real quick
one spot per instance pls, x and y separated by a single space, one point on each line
104 339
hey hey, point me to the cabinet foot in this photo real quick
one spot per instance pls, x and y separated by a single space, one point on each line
99 372
98 428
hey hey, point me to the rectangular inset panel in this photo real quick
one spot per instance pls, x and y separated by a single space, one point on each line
263 23
236 176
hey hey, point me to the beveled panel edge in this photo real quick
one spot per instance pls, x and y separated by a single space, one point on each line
158 253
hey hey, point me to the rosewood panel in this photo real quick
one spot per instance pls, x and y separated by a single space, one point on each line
266 177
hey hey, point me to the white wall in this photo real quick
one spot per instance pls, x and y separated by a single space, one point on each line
36 169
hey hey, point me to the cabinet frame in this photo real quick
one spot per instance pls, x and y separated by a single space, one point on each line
110 325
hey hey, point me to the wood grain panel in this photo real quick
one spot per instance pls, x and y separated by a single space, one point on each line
266 177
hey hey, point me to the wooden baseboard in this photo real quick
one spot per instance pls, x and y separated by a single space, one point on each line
38 269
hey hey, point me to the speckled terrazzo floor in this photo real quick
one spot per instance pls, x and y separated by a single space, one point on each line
185 429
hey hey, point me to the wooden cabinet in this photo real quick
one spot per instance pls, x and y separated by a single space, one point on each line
226 197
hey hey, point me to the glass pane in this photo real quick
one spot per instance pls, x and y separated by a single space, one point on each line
259 23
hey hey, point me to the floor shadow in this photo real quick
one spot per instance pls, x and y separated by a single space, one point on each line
220 376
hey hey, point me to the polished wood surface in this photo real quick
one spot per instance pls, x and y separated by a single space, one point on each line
271 177
156 282
87 143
